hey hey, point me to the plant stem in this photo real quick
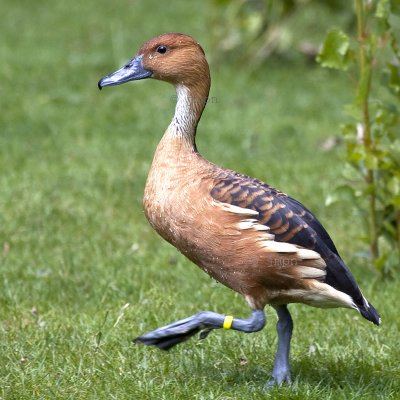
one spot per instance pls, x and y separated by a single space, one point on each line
398 230
364 89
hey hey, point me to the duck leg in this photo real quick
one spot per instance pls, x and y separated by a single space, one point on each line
284 327
170 335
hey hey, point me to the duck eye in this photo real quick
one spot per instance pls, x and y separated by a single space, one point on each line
161 49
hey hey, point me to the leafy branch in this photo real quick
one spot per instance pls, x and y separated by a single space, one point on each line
372 137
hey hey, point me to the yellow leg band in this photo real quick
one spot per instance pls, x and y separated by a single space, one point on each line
228 322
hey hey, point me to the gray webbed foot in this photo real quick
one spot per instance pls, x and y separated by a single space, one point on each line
204 322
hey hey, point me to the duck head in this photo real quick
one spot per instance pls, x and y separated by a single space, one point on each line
172 57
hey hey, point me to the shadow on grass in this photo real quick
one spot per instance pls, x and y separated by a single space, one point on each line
346 373
346 378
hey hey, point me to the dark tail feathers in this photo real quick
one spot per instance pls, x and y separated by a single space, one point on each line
369 312
340 277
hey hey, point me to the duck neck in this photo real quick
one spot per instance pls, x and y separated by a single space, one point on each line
190 104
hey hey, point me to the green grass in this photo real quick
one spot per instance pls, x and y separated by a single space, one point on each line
76 248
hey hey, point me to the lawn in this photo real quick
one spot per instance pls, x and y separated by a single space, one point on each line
81 271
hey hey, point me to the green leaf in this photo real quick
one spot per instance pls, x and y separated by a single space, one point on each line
394 78
395 151
371 161
395 6
396 201
353 110
341 194
383 9
351 172
335 50
394 185
355 152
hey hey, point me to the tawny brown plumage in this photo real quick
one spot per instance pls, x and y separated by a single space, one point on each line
227 243
252 238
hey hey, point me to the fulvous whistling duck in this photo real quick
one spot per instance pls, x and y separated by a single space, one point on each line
245 234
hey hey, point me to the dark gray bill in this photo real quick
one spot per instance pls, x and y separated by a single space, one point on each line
132 71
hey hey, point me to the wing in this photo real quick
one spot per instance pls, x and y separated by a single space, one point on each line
289 221
287 218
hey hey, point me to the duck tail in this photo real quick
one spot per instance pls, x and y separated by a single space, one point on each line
370 313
